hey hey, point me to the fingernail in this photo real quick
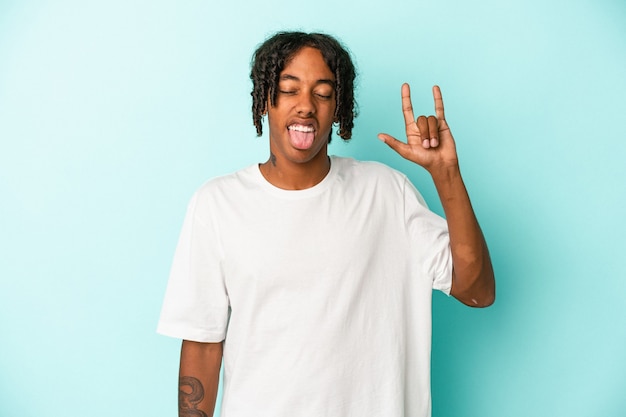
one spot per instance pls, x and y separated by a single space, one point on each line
434 143
426 143
380 138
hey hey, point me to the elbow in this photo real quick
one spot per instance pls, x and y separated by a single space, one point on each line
482 299
485 300
478 291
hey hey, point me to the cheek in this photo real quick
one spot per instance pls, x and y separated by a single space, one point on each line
329 115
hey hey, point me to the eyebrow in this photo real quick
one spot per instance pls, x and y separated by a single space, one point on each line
290 77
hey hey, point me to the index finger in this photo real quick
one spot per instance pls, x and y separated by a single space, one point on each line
438 103
407 106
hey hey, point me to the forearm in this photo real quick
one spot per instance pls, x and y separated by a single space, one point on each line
473 280
198 378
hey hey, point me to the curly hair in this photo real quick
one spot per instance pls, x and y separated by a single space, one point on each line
270 59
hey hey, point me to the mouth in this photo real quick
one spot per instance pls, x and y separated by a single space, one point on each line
301 128
301 135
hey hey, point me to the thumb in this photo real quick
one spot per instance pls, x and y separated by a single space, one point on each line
398 146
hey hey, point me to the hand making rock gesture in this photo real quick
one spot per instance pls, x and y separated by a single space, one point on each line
429 140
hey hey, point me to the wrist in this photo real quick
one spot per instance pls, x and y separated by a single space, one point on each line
445 173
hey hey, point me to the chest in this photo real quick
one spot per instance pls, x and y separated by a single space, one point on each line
308 244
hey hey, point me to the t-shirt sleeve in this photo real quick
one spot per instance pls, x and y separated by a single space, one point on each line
196 305
430 240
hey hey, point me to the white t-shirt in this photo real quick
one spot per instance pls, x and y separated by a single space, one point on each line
323 295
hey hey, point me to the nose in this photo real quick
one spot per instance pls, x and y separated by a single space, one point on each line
305 105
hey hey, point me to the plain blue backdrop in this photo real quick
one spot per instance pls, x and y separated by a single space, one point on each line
113 113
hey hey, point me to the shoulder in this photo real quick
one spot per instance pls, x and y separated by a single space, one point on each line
379 177
228 183
219 193
368 171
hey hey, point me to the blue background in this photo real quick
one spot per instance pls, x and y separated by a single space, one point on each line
113 113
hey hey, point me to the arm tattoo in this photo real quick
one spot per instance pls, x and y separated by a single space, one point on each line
188 399
273 159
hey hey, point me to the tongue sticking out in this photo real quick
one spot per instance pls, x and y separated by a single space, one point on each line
301 140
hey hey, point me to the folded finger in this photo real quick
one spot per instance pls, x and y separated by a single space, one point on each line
422 125
433 129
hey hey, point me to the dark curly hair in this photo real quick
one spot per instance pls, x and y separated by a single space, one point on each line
270 59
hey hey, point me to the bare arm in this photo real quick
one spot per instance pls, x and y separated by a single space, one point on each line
198 378
430 144
473 281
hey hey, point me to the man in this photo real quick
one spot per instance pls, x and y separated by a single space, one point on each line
311 276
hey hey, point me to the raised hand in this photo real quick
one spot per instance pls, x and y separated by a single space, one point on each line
429 140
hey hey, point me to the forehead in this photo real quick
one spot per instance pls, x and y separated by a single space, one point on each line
308 64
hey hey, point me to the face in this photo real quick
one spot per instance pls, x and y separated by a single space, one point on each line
301 121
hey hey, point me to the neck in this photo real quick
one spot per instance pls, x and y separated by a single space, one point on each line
295 176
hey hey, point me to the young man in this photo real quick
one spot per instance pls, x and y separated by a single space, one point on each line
311 276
